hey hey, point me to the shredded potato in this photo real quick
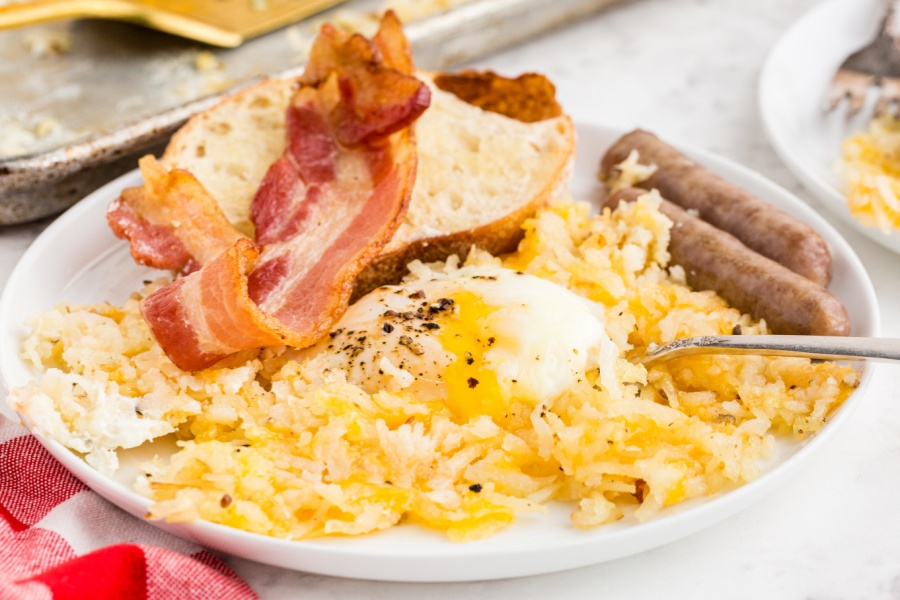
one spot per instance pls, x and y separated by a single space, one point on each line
870 167
267 446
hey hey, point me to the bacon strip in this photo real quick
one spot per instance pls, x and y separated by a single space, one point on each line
172 222
323 212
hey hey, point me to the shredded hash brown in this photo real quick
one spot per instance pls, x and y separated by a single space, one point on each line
266 446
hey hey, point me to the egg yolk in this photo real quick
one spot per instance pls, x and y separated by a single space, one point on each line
472 387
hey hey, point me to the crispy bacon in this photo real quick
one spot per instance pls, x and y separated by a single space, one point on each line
365 111
172 222
209 313
153 245
323 211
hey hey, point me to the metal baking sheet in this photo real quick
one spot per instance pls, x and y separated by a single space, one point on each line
83 99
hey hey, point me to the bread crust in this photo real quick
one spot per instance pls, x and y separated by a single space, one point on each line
528 98
499 236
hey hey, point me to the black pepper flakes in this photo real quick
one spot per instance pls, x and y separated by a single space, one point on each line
414 347
475 487
441 305
491 341
387 328
472 382
431 326
736 330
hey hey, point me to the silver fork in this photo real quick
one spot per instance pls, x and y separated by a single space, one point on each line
875 65
809 346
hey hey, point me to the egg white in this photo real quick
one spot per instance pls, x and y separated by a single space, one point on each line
454 331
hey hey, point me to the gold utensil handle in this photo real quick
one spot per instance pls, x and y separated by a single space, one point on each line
42 11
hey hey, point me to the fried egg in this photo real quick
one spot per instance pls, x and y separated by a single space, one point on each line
476 338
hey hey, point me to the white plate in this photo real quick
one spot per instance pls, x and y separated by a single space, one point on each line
792 91
78 259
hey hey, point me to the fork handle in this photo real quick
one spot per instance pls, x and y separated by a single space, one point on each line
809 346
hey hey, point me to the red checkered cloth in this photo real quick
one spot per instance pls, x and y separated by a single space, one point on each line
60 540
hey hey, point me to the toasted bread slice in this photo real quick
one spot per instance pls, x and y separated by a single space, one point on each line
481 171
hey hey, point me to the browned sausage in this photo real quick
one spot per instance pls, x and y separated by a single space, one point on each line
716 260
759 225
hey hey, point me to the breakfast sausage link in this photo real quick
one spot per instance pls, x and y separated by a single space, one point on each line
716 260
759 225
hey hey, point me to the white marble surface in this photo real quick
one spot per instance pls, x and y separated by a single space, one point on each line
687 69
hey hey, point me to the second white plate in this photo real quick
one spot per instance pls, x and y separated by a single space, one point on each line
792 92
78 259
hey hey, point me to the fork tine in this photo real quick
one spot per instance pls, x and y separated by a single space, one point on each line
837 91
883 104
858 92
855 103
835 95
851 85
890 96
856 100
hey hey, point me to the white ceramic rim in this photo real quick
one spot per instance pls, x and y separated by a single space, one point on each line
769 97
445 561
